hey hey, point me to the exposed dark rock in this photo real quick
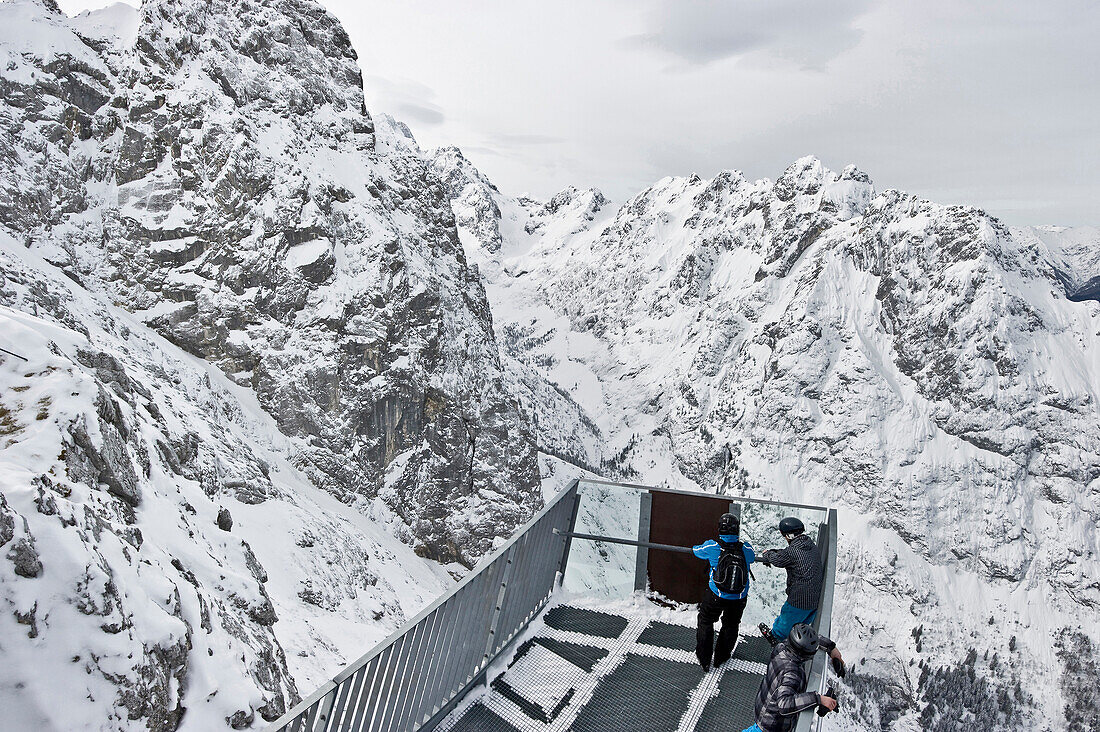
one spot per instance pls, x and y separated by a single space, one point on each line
25 558
7 522
225 520
29 619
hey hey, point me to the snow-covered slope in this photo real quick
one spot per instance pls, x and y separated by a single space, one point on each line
262 390
136 578
266 334
210 166
931 372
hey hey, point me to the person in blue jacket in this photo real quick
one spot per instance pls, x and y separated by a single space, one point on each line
728 592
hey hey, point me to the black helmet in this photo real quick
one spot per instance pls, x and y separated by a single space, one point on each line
729 524
803 640
791 526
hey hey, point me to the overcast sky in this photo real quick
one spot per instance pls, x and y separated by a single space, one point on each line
994 103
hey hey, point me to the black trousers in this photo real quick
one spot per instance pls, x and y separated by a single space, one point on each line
710 610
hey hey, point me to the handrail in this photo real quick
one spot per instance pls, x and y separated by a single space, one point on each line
823 622
409 681
628 542
745 499
414 678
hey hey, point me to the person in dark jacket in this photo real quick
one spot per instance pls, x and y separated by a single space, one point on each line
782 694
717 603
802 560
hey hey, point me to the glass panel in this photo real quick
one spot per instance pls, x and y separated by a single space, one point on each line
760 527
596 567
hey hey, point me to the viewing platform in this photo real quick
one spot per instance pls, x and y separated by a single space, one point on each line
580 623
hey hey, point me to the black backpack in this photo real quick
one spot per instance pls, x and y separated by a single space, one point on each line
731 576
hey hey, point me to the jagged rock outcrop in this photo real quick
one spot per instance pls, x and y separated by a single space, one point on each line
211 166
205 172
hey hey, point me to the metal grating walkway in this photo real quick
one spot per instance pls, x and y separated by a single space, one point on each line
595 671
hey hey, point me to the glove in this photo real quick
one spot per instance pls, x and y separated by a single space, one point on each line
839 668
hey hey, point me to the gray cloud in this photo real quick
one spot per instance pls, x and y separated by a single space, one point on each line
409 101
528 139
808 32
427 115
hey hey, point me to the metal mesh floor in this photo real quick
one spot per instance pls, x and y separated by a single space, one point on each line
594 671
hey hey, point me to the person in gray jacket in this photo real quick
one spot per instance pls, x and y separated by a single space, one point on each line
802 560
782 694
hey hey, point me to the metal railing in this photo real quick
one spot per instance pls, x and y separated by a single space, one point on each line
826 540
411 681
414 678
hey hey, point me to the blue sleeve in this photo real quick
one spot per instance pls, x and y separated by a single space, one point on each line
703 551
750 555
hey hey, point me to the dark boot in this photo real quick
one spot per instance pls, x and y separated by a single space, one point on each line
723 649
767 633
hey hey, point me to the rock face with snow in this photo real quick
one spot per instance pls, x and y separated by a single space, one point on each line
265 333
181 161
205 172
931 372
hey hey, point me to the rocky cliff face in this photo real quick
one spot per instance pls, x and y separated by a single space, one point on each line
931 372
206 173
165 563
259 346
210 166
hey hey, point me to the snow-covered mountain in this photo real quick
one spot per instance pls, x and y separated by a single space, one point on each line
262 405
923 367
284 368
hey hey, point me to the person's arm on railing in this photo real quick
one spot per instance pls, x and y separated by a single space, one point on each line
829 647
777 558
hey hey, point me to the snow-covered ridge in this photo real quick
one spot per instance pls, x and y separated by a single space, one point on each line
257 304
239 290
932 372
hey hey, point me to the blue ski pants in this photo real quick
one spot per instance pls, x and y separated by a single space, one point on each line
789 616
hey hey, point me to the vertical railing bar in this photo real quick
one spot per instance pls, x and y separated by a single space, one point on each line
361 691
445 652
418 673
296 724
310 717
369 692
496 606
325 712
440 656
471 619
471 638
641 564
556 543
413 675
347 687
550 567
575 488
379 710
528 575
530 578
537 563
439 690
390 696
428 652
506 596
473 644
402 689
